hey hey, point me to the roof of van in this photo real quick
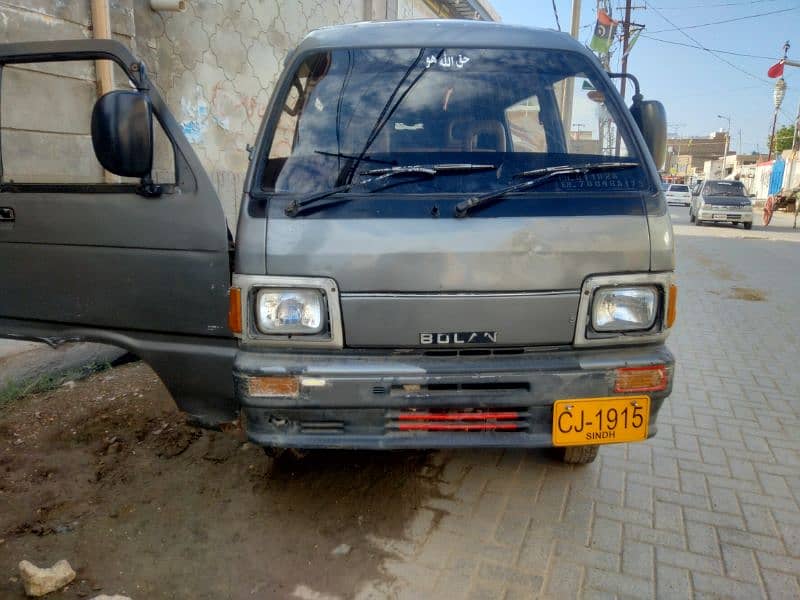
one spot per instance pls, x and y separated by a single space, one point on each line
438 33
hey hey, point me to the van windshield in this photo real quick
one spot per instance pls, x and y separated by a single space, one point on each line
354 110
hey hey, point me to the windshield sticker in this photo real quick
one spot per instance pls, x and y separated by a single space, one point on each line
447 61
404 127
600 181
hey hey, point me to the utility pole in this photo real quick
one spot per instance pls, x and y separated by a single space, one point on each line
626 38
626 33
569 85
727 143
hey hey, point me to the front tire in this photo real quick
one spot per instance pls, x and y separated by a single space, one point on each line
579 455
698 222
691 216
748 225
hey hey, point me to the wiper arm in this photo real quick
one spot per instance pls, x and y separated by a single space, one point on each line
586 168
544 174
383 178
295 207
355 157
440 168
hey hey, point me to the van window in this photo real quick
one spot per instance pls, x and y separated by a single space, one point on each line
347 111
51 141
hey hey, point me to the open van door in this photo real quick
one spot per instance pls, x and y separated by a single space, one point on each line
122 259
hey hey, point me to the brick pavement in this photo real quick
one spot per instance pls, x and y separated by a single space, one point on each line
708 508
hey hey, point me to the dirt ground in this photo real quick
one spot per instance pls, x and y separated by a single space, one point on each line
105 473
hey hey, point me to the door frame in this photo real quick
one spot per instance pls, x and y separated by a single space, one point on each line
197 369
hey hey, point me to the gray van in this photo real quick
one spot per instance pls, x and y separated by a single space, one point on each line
452 234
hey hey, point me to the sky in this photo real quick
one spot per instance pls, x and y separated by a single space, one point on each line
694 85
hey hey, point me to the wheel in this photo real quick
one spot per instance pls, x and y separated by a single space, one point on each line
579 455
697 222
691 216
748 225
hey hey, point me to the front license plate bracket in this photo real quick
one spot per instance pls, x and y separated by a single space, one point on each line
609 420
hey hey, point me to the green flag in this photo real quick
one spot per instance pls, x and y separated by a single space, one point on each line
604 31
632 40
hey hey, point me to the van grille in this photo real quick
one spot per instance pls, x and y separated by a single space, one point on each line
495 419
444 388
475 352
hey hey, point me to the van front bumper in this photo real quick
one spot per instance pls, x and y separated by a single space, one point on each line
351 399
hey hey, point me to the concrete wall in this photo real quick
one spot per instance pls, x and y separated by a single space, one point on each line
46 107
217 62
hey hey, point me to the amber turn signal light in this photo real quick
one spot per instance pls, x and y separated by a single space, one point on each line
267 387
235 310
641 379
672 307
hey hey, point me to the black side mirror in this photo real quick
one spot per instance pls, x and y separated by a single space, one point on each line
651 117
122 133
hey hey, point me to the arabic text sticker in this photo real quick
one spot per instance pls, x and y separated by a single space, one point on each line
447 61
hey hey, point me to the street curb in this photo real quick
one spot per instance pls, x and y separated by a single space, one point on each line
26 361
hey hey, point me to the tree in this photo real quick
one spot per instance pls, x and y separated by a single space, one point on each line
783 139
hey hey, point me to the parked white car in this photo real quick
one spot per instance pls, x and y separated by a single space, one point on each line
677 193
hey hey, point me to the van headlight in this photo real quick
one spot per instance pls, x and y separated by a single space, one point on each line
290 311
616 309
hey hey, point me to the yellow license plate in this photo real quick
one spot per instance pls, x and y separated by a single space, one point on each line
580 421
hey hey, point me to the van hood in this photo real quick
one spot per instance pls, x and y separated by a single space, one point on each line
518 276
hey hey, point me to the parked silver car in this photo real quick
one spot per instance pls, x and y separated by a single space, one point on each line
721 201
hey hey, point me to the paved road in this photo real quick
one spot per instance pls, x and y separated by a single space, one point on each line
708 508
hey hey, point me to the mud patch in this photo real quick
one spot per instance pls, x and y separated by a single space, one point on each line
720 271
745 293
110 476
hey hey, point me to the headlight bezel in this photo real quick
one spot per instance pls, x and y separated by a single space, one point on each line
598 297
311 294
331 333
586 335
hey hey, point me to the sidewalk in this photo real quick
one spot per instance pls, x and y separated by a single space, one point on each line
24 361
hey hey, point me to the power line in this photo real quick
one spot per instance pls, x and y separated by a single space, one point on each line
764 14
555 12
750 2
702 47
655 39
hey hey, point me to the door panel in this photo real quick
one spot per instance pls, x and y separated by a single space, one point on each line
102 262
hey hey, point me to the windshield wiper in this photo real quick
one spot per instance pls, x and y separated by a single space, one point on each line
440 168
355 157
383 179
540 176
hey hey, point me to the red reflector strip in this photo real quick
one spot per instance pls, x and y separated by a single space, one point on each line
417 416
458 427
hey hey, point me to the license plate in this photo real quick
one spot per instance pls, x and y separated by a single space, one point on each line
718 216
582 421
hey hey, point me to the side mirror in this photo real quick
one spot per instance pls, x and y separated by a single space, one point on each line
122 133
651 117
